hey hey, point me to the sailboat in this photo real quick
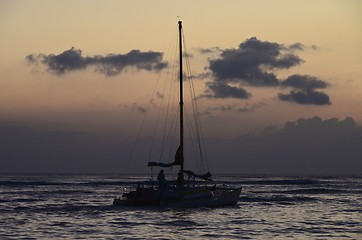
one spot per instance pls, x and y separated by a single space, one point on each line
182 193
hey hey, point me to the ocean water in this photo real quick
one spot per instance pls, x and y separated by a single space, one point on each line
270 207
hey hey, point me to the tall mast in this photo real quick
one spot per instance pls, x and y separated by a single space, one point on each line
181 104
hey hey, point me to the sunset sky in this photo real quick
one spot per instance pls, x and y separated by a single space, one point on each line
264 63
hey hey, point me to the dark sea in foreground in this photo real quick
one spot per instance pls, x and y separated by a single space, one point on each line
270 207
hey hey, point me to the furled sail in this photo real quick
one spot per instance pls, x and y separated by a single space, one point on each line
178 160
179 156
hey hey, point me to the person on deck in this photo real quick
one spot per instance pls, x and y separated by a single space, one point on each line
161 179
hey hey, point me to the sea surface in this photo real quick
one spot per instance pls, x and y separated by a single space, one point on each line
270 207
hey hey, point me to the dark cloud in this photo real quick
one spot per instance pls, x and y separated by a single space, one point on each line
224 108
233 108
300 46
252 108
254 63
201 76
140 109
314 47
304 92
308 96
187 55
133 107
297 46
304 82
251 64
160 95
310 125
110 65
222 90
247 62
210 50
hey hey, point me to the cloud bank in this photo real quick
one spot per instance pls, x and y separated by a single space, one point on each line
303 146
255 63
109 65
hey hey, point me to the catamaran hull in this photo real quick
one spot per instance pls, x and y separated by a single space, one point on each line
212 198
228 199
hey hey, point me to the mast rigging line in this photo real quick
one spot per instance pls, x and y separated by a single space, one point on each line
196 113
140 129
169 129
160 109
